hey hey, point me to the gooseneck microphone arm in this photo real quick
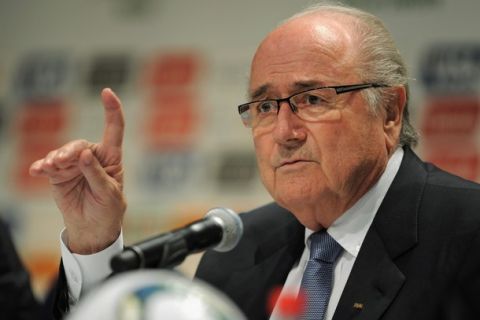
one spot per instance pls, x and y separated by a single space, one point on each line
221 227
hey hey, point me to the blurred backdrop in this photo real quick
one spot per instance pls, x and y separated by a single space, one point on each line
180 68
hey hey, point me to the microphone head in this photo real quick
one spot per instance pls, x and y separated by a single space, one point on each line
231 225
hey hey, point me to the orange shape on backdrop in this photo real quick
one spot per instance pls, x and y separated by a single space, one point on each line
448 129
40 128
463 161
450 117
31 149
171 120
172 69
42 118
43 268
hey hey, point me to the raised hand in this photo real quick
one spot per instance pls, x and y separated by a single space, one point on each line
87 183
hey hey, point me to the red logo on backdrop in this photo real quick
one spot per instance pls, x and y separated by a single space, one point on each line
173 69
449 126
171 119
172 111
40 127
451 75
451 117
30 150
42 118
463 162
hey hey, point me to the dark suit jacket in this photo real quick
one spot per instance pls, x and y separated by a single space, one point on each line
17 301
420 258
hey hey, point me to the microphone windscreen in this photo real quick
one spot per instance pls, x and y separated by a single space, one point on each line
232 227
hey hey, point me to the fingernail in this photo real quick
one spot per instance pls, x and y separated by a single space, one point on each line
87 160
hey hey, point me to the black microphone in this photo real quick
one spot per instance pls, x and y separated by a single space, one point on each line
221 227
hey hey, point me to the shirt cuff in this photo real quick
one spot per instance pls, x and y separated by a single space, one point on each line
85 271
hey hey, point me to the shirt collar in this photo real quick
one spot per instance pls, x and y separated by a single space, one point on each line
350 229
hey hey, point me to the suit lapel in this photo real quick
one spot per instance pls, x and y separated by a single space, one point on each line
375 279
372 285
273 260
265 276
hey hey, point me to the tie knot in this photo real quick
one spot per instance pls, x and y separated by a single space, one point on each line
323 247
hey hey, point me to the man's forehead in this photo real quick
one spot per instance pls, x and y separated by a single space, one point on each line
295 86
299 55
306 74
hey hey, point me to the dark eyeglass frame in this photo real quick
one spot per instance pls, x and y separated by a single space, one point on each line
338 90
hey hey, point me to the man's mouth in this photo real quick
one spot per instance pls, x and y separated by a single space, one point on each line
292 162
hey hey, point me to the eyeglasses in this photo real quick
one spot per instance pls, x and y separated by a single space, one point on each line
308 105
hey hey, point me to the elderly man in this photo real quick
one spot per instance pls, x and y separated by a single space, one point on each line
360 224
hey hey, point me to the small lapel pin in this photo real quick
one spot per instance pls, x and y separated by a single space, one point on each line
358 306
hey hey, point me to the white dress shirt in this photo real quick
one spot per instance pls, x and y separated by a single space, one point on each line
85 271
349 230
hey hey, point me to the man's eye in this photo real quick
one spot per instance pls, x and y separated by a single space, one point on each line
314 100
266 106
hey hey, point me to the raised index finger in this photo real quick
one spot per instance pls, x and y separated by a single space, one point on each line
114 120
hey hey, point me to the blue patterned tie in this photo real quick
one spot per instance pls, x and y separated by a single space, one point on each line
318 275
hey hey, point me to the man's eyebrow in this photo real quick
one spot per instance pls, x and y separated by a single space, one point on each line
258 92
303 85
297 86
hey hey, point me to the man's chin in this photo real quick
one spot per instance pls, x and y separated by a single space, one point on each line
292 203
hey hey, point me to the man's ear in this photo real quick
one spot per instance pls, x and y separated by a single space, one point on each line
392 124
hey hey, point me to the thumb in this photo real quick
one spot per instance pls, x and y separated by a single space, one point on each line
93 171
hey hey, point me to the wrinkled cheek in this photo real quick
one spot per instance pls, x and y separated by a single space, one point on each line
331 116
295 190
263 163
267 175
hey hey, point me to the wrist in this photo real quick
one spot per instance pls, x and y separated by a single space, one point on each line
84 243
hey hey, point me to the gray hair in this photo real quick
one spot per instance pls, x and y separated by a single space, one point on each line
380 61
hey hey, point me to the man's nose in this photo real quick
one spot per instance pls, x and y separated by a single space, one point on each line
288 127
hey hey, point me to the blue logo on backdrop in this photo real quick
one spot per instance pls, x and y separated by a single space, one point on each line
451 68
168 172
110 71
236 169
41 76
